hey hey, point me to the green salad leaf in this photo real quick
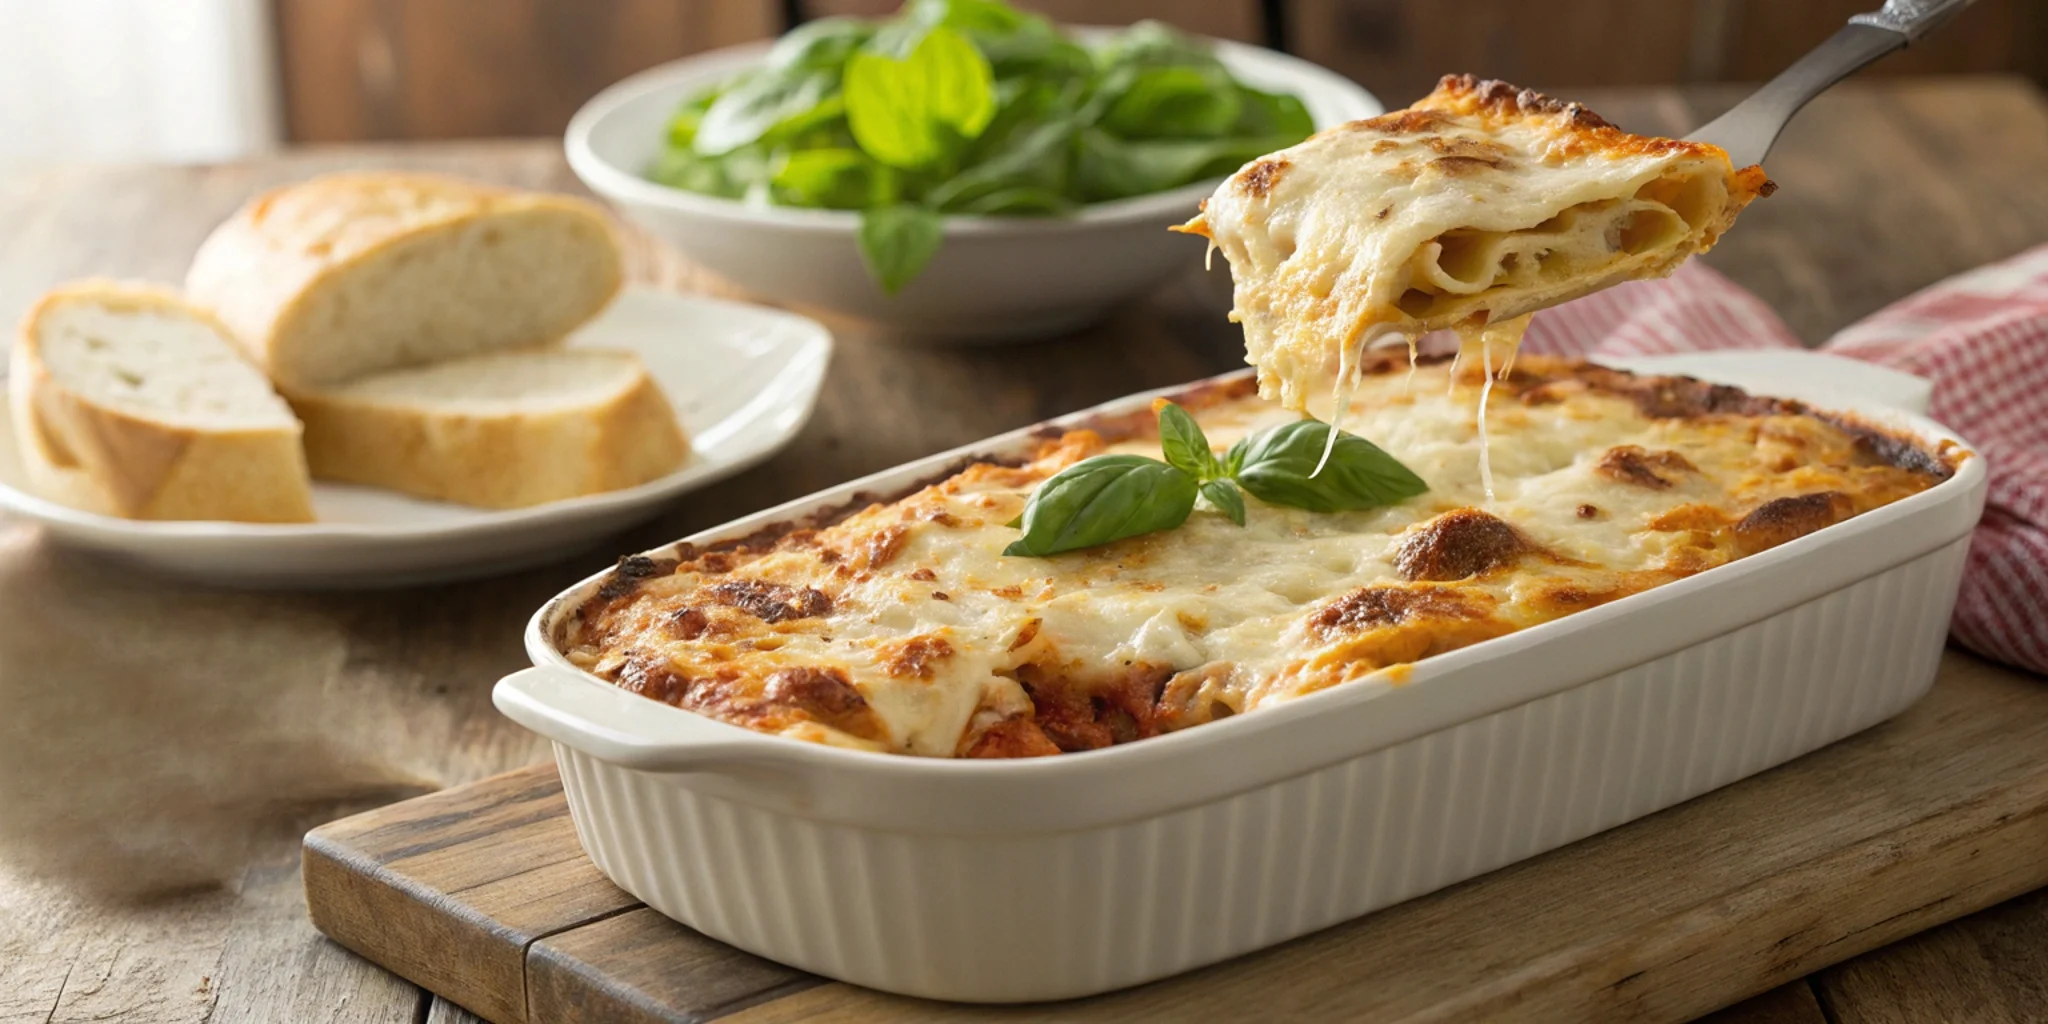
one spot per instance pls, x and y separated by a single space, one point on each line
925 107
897 241
967 108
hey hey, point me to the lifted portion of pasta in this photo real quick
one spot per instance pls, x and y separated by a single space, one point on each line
1478 205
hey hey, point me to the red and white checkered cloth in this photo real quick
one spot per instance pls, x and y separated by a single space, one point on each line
1981 338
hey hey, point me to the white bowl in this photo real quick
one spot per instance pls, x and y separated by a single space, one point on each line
993 278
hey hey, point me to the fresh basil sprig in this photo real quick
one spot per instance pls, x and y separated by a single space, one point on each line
1111 497
1278 466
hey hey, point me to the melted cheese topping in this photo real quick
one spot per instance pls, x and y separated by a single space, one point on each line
1479 204
904 628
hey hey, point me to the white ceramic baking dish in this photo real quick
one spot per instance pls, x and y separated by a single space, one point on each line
1047 878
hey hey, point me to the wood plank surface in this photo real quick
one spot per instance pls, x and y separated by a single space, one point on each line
1399 48
1222 19
1923 819
1990 967
1787 1004
450 889
354 70
164 746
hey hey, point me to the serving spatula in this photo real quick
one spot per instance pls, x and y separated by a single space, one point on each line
1748 130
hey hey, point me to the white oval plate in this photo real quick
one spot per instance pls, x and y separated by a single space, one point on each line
743 380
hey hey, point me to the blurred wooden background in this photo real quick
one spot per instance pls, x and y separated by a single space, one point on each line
426 69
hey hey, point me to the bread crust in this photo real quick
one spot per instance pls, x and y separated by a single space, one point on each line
493 460
91 456
263 268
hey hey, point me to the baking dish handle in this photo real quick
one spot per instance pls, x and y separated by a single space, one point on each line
623 728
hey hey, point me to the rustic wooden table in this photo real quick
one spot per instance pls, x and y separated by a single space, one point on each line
163 746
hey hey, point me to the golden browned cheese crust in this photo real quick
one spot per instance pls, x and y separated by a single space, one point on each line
896 625
1475 207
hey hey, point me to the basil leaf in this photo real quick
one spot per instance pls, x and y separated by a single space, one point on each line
1185 446
1111 168
1036 160
897 241
1175 102
1151 44
910 113
682 127
820 43
1223 494
1022 201
1105 498
758 103
836 178
1272 114
1275 465
1015 42
731 175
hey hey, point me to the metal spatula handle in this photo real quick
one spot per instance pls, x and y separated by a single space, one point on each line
1748 130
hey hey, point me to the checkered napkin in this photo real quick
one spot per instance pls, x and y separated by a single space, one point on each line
1981 338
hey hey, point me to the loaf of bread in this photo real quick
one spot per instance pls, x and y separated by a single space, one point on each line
500 430
129 401
353 274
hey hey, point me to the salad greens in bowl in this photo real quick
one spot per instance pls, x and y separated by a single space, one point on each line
959 171
968 107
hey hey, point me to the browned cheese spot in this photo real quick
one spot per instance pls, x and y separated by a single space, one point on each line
1462 166
688 622
651 676
1892 450
1683 397
1634 464
1589 512
885 544
1572 597
1258 179
770 602
1492 154
1689 516
1402 122
1457 545
924 574
1027 634
825 694
1785 519
1508 98
632 571
914 657
1369 608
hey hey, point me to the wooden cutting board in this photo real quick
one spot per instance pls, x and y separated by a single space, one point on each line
481 894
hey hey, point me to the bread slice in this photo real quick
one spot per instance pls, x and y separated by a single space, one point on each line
501 430
351 274
129 401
